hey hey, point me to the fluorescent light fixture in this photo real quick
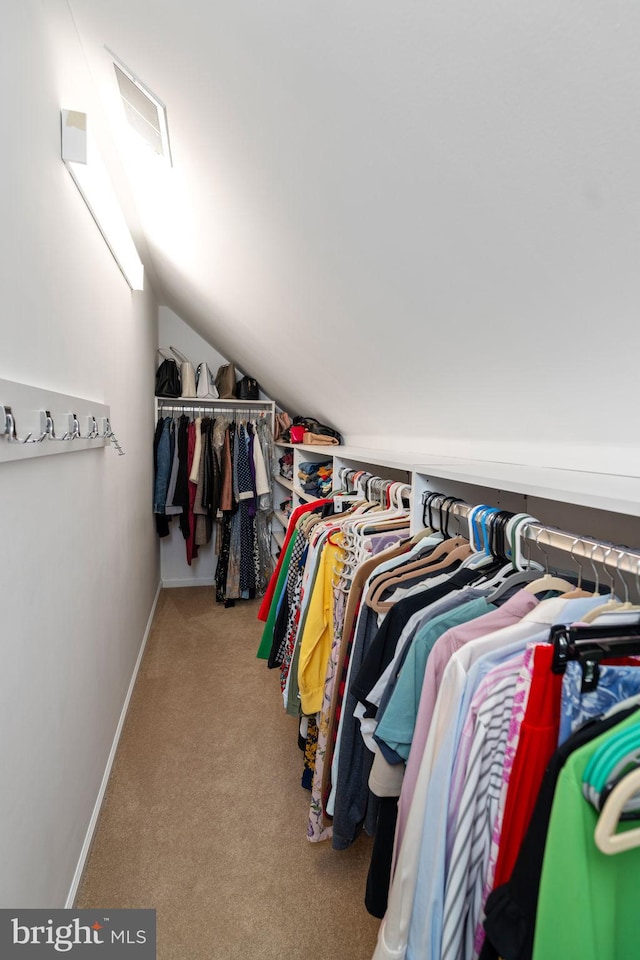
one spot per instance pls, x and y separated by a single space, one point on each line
89 174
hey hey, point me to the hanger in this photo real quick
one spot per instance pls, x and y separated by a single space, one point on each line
619 754
427 503
548 581
516 573
442 556
441 552
577 592
611 604
458 553
627 605
480 554
605 836
359 528
588 645
413 569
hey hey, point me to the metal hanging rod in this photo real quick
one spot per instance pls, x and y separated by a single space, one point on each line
170 408
613 555
218 402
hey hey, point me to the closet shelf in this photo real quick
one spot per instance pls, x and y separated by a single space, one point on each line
396 459
281 517
304 496
331 449
283 481
601 491
278 536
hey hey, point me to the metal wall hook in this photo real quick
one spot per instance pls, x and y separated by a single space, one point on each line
51 430
12 431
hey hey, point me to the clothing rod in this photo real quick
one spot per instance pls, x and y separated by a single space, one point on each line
546 538
211 408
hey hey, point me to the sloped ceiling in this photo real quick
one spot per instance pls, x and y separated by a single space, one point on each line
389 211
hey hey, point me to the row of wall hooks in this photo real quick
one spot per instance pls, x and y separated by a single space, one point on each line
68 427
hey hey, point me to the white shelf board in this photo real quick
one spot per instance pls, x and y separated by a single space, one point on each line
329 448
304 496
396 459
281 517
601 491
278 536
288 484
210 402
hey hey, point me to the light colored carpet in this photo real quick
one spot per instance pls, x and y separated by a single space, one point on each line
204 817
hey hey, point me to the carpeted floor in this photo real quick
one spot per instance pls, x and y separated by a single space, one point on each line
204 817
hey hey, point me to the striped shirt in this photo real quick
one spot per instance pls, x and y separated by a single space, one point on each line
475 795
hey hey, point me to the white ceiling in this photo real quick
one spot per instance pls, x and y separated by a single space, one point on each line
383 209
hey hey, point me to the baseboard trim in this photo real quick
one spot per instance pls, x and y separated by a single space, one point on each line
191 582
86 846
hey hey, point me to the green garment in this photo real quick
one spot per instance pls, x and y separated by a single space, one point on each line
267 634
588 900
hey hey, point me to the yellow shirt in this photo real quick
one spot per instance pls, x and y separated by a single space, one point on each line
317 638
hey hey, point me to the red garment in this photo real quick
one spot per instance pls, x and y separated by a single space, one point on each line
265 606
192 549
537 744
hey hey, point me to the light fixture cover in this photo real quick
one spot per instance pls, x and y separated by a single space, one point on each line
89 174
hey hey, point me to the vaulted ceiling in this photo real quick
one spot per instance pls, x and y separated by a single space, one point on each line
386 210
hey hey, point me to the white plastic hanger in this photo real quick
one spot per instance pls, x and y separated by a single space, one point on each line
606 838
611 604
548 581
577 591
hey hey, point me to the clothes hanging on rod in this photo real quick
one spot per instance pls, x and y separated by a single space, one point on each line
425 677
212 473
476 721
305 621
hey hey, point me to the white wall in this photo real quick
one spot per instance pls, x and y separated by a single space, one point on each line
78 561
417 221
175 571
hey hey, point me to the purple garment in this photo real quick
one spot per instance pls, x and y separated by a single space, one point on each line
382 541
